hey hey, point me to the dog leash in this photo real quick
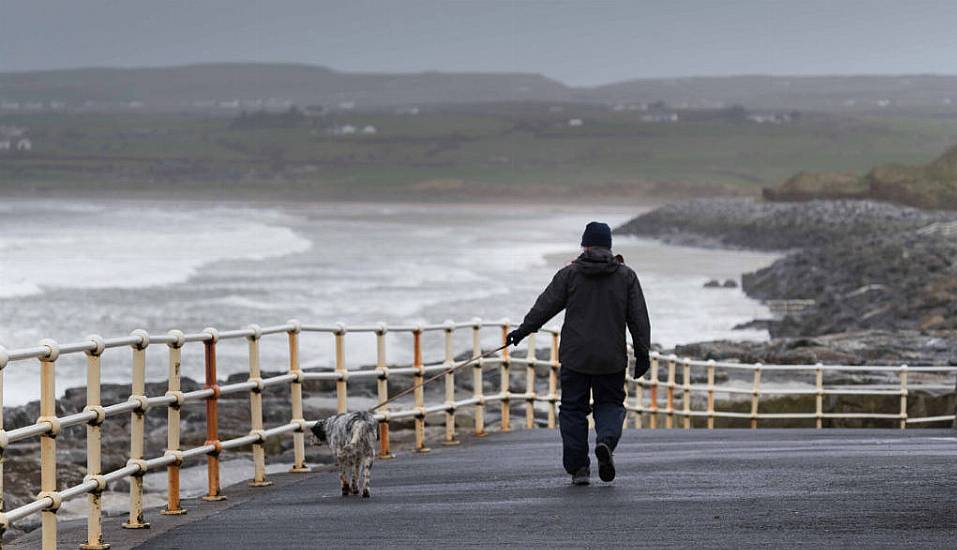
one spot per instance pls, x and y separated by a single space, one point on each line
414 387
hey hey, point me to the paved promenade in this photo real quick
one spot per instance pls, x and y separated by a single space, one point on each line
675 488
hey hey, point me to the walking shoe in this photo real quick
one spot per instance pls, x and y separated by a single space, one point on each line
582 476
606 464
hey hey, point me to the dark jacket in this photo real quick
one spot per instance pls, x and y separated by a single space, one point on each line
601 295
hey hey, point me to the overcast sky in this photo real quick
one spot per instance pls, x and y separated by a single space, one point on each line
580 43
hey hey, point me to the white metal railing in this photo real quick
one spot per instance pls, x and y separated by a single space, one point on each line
646 404
48 425
653 409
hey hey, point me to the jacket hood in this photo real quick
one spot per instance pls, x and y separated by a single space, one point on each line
596 262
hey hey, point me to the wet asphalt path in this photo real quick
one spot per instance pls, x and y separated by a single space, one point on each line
675 488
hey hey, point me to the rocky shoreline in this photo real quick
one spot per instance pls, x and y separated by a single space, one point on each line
878 281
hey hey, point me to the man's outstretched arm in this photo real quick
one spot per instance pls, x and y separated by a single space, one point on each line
551 301
639 326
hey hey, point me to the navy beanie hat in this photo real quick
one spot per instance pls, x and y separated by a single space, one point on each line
597 234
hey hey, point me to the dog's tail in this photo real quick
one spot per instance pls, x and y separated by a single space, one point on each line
358 433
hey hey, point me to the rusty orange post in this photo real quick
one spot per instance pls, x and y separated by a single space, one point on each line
212 421
417 380
382 387
506 381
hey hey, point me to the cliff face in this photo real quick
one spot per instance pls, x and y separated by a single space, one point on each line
932 186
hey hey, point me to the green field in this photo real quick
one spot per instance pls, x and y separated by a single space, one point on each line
465 151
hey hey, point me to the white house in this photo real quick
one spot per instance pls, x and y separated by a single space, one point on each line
660 117
12 131
575 122
346 130
24 145
369 130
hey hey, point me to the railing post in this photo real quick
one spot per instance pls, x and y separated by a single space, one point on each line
342 388
670 392
686 394
710 394
214 490
755 395
382 385
256 409
639 399
506 380
653 393
477 382
138 431
295 390
4 358
174 388
419 392
903 390
530 383
624 424
449 385
553 366
94 465
48 444
819 397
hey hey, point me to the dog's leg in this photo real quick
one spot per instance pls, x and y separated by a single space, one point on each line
356 467
344 479
366 477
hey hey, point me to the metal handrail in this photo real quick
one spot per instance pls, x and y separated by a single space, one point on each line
673 403
652 383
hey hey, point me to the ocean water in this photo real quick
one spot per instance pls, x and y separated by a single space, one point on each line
72 269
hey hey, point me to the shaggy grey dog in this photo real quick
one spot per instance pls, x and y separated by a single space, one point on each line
352 438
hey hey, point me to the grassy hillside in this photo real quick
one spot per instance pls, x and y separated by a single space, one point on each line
526 149
932 93
205 86
218 86
931 185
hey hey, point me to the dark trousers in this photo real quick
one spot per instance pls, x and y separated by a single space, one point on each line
608 393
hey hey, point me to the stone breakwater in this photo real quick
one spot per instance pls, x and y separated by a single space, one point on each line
753 224
865 265
870 347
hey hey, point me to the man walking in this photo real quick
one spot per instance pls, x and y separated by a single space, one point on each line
600 296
